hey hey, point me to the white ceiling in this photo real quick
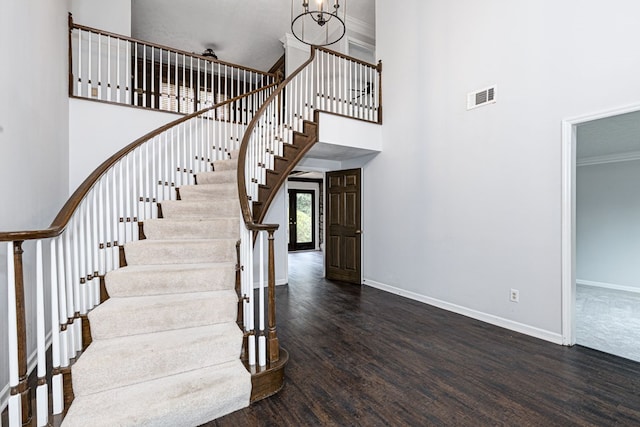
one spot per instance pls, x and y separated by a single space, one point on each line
609 136
245 32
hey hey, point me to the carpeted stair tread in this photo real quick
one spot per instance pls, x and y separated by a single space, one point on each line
123 361
188 399
141 280
118 317
201 209
185 228
187 251
225 165
217 177
227 190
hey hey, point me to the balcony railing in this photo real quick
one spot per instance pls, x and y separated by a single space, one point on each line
114 68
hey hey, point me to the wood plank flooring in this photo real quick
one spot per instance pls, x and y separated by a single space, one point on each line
363 357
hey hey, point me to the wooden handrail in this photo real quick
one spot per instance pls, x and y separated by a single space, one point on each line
62 219
242 155
159 46
350 58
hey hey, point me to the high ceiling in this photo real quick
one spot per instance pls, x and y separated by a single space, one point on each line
245 32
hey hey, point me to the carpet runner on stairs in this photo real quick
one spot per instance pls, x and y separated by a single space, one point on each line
165 346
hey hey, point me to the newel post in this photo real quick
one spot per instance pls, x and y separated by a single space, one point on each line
274 346
20 391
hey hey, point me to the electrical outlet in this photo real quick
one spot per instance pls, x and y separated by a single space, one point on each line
94 91
514 296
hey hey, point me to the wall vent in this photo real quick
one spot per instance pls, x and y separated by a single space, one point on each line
481 97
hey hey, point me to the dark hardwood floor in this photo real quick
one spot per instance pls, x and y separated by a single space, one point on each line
363 357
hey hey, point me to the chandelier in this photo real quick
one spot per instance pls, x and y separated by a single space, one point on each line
321 26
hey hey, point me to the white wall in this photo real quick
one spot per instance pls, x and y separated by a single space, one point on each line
98 130
113 16
462 206
339 130
608 223
277 211
33 133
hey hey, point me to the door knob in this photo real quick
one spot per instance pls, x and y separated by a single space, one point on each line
358 231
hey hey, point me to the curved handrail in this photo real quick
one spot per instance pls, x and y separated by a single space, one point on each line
66 212
242 155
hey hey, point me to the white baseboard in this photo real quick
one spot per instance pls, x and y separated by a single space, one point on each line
484 317
280 282
608 286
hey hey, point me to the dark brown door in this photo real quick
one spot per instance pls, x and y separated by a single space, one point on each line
343 226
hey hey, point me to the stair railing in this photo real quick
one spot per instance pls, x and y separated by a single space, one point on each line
328 81
114 68
83 243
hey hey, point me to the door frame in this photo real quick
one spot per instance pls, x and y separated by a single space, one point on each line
309 184
568 228
314 233
361 218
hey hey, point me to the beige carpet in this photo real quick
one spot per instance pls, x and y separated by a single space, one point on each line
166 347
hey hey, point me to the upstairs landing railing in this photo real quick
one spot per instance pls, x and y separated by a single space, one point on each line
114 68
82 245
329 82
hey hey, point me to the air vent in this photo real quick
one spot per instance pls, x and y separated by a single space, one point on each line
481 97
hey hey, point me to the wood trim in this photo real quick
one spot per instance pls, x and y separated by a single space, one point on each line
159 46
272 337
70 63
379 92
242 155
62 219
317 111
22 388
268 381
313 180
347 57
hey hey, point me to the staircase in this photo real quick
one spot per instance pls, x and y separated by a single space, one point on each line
165 346
180 335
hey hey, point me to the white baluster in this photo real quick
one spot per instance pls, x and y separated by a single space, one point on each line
56 335
262 340
42 390
70 285
15 400
109 86
62 306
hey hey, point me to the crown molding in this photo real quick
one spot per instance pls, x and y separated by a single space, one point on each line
609 158
359 26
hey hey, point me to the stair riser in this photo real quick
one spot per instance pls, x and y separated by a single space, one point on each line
180 209
209 192
225 165
190 399
147 360
165 229
126 283
164 316
220 177
184 252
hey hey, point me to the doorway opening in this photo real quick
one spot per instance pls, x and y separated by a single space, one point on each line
302 220
601 232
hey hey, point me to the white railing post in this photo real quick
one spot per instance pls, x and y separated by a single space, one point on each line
15 399
262 340
57 341
42 390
